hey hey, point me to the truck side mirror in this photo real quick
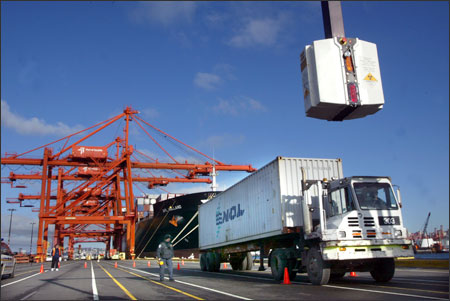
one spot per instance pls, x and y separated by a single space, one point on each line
399 197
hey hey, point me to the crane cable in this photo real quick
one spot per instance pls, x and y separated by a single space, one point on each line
186 235
179 233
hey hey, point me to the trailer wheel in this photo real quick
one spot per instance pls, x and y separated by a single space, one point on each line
211 262
318 270
383 270
203 263
248 262
277 264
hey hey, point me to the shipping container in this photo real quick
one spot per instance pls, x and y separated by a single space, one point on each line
264 204
91 203
88 171
83 152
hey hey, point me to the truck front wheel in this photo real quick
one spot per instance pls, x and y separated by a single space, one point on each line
318 270
383 270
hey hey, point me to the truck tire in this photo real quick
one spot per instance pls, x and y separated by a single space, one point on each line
278 262
212 262
383 270
318 269
203 263
217 262
248 262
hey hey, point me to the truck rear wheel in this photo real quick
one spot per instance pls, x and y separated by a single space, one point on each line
383 270
212 262
318 270
203 263
248 262
278 262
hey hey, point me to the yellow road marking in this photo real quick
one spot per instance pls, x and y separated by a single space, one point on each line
118 283
166 286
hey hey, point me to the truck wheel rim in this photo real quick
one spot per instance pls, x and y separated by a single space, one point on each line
314 266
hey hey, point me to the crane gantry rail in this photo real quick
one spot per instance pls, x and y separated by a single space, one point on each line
101 185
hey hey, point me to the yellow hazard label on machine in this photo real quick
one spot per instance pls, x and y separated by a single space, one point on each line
370 77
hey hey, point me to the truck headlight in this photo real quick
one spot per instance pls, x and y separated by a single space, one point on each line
397 233
342 234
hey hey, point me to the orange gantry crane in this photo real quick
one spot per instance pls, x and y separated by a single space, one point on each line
92 185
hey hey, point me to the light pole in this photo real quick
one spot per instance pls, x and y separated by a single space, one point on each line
10 220
31 241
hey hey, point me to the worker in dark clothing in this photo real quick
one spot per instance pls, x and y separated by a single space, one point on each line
56 252
164 253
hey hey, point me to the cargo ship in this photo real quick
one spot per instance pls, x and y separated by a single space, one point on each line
170 214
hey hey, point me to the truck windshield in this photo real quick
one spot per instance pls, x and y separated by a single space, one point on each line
378 196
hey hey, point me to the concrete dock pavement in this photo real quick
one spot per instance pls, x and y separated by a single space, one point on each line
101 280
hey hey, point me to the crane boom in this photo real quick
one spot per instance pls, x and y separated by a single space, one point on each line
426 225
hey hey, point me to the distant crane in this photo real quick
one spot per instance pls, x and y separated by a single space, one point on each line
424 232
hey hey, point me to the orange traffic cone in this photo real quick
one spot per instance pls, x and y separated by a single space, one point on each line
224 265
286 277
353 274
85 265
148 263
178 266
42 268
182 261
134 264
115 265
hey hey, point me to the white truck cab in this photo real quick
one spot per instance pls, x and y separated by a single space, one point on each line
358 226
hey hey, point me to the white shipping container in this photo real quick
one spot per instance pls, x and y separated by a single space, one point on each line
262 204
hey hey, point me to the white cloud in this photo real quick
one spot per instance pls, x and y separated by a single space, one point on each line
236 106
207 81
165 13
258 32
34 125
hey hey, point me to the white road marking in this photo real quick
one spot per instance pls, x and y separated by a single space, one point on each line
191 284
383 292
29 295
94 285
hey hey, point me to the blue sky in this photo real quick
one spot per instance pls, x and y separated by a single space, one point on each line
225 77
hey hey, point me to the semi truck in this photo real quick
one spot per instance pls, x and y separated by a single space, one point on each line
304 215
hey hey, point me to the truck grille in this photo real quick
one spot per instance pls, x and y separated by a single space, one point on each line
371 234
356 234
353 222
369 222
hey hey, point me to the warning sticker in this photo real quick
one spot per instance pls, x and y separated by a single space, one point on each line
370 77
